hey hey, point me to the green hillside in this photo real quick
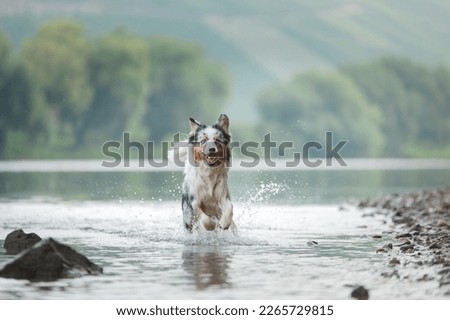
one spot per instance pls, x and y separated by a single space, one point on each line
260 41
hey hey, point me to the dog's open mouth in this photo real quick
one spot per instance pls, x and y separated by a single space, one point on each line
212 160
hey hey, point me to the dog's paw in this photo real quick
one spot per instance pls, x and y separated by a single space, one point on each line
209 223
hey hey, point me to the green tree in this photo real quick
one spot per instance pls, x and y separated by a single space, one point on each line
413 100
313 103
184 84
4 73
381 85
22 116
5 53
439 117
120 77
24 119
57 60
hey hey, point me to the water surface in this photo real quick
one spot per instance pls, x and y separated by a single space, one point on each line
130 223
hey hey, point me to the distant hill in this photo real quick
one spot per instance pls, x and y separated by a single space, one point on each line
260 41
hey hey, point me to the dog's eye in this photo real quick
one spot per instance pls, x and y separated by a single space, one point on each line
203 141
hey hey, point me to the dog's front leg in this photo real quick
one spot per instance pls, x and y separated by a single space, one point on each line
227 215
200 218
209 223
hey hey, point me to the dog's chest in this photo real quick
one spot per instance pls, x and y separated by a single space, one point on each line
207 187
209 190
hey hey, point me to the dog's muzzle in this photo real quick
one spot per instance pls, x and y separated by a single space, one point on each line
213 155
210 149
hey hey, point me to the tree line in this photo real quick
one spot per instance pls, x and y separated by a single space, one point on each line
64 95
391 107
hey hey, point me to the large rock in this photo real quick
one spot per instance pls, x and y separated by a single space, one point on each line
18 241
48 261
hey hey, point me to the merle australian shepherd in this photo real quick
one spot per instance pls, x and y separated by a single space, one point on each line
206 201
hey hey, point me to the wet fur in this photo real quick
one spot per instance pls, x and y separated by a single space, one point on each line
206 201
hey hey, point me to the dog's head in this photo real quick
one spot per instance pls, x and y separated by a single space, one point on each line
211 143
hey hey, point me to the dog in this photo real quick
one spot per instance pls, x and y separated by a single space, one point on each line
205 200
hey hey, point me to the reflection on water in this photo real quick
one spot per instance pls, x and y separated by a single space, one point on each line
208 266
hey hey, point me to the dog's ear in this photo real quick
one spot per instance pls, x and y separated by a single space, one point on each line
224 122
194 124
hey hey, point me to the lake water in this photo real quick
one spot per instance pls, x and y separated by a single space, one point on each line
130 224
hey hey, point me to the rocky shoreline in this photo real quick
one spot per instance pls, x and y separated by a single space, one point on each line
419 238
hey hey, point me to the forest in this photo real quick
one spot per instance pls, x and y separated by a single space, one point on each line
64 94
389 107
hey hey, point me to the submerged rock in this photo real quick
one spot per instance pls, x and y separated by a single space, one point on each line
394 261
360 293
48 261
386 248
407 248
18 241
435 245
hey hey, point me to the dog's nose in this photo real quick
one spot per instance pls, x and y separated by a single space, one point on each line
210 147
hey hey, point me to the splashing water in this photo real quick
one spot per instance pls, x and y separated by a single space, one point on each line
256 197
266 191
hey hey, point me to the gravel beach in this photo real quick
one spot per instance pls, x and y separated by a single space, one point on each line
417 241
